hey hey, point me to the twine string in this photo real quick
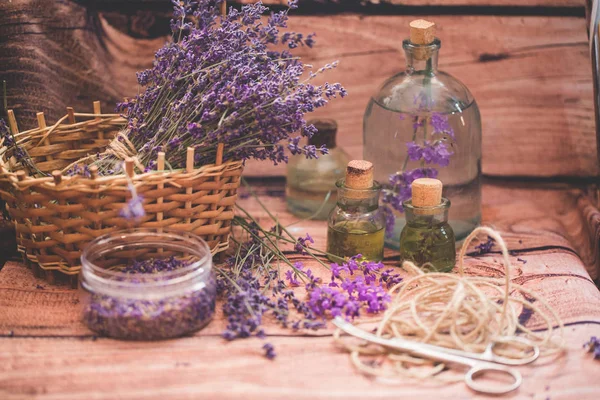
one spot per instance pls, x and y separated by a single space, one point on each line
456 311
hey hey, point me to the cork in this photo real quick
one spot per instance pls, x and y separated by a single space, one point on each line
422 32
359 174
426 192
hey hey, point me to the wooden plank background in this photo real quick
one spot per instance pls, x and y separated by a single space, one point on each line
526 62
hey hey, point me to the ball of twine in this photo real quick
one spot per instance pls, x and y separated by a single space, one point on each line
459 312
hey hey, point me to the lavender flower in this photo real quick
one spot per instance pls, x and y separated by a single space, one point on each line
292 276
269 351
79 169
436 151
301 244
135 206
400 190
415 152
21 156
345 296
440 124
223 83
485 247
593 346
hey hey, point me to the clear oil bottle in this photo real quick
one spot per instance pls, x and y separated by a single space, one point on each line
310 189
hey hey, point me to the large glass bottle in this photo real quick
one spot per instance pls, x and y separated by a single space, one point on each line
310 189
423 122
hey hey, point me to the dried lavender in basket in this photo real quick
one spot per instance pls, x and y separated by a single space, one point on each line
220 81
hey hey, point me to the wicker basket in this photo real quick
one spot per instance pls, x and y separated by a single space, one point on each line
56 216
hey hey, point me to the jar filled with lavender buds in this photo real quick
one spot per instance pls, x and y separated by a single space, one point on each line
145 284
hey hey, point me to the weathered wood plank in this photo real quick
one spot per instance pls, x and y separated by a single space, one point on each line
314 4
208 367
530 75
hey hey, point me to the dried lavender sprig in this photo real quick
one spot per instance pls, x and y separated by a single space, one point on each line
252 286
221 83
276 220
593 346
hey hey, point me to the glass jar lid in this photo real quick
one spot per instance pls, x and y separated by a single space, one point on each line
146 264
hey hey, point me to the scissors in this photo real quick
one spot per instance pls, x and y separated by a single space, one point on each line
480 363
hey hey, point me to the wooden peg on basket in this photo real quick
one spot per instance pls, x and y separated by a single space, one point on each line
21 175
94 171
189 160
98 111
71 115
160 166
214 206
12 122
219 158
57 176
189 168
129 167
42 125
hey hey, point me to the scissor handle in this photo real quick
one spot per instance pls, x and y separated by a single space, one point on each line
482 369
489 354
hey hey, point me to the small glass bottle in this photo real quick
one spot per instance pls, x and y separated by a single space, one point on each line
427 239
309 182
357 224
421 108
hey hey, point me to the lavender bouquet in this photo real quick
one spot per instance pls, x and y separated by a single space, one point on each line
219 81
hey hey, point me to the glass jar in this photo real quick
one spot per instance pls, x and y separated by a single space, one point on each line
356 225
425 123
310 188
427 239
145 284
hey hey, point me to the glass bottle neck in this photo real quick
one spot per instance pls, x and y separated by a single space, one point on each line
421 58
353 200
426 215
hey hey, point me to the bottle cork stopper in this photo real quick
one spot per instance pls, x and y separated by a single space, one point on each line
359 174
426 192
422 32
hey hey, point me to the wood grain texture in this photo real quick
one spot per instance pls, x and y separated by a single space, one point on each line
341 4
46 353
206 367
530 75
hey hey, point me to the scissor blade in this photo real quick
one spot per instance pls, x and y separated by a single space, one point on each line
398 344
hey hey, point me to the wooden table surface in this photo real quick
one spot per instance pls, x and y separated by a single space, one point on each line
47 353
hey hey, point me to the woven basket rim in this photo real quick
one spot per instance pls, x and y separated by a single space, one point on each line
8 174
